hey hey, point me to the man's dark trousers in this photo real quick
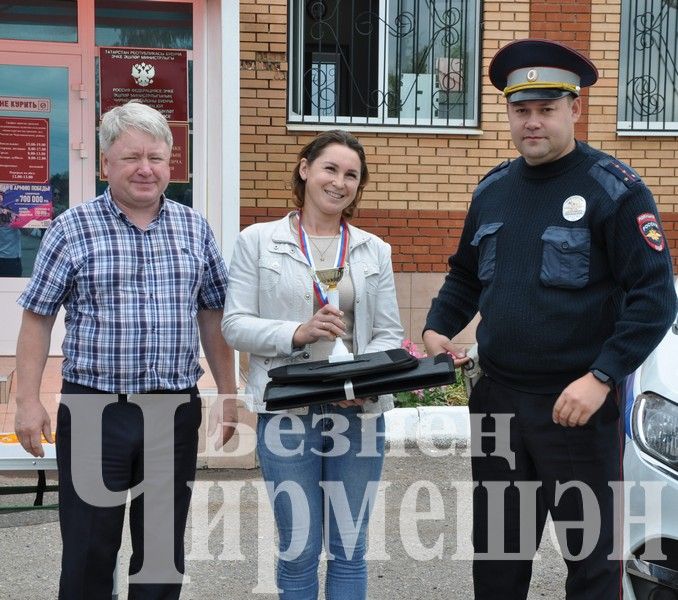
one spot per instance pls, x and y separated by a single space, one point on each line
91 535
548 453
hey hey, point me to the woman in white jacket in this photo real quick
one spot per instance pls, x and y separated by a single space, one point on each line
326 458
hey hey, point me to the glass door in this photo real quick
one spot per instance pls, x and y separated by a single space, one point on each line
35 150
41 156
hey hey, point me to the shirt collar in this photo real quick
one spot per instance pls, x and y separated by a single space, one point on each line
115 209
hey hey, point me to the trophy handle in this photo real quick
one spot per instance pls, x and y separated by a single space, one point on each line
330 278
333 297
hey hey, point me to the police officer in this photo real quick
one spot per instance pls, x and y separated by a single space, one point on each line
563 254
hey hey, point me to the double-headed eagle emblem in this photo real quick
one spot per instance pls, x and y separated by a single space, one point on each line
143 74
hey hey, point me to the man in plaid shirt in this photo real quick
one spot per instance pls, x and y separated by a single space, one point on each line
142 281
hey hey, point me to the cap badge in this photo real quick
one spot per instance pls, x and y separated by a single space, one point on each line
574 208
532 75
649 227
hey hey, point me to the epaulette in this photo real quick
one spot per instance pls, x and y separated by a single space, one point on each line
495 173
622 172
614 176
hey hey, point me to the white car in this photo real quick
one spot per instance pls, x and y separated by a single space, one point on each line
651 462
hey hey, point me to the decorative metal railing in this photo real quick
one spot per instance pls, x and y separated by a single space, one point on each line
384 62
648 72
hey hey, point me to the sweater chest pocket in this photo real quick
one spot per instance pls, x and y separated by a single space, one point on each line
566 257
485 240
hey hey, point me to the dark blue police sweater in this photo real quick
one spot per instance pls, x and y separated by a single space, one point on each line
559 296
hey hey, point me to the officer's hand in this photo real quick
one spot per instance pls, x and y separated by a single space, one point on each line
579 401
437 343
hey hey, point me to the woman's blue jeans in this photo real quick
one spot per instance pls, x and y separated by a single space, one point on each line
322 472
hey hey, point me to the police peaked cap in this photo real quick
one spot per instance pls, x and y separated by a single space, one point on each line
535 69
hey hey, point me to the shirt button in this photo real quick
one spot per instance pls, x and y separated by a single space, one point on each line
267 360
307 296
306 355
357 300
275 265
564 245
275 247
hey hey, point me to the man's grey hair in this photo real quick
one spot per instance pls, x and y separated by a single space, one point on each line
133 115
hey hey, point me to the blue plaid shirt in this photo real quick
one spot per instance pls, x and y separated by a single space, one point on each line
131 296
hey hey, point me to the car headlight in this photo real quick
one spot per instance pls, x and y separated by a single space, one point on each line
655 427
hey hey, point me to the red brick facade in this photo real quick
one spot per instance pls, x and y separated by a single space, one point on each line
421 240
567 21
420 184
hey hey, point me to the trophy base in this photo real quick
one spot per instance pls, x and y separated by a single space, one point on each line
340 357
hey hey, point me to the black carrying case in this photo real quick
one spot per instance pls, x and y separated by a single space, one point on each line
387 361
372 374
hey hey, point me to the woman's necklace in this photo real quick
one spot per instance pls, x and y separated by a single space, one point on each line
340 258
322 253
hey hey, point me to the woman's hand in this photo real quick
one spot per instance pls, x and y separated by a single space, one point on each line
326 324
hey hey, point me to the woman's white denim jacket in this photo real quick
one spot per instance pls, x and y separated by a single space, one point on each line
270 293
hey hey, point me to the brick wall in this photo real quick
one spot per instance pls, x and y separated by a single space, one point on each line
420 185
421 240
670 224
655 158
567 21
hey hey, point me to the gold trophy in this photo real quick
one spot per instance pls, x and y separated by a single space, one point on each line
329 279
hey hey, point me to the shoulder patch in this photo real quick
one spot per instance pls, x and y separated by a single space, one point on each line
650 230
496 173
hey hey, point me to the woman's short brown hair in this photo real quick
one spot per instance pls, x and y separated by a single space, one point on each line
313 149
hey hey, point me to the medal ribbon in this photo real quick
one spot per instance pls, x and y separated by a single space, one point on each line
339 259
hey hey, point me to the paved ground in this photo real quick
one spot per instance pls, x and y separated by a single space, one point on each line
401 566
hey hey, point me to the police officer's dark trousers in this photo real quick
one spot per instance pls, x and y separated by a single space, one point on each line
91 535
562 470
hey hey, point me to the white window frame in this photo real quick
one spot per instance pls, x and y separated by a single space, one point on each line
381 122
642 125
